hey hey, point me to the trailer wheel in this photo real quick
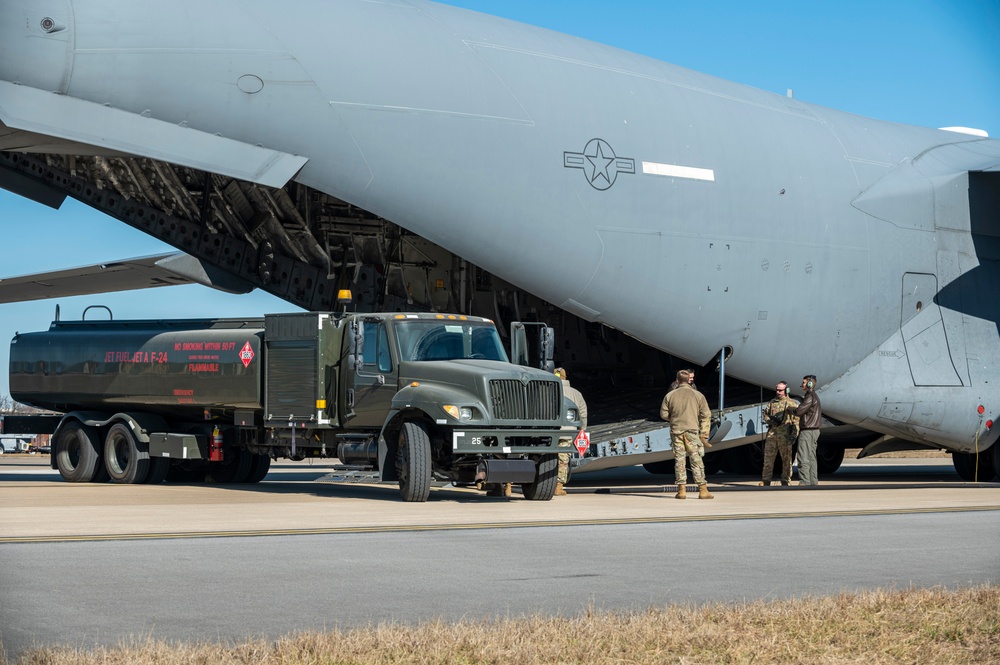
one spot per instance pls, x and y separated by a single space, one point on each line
158 468
77 455
126 460
234 469
187 471
413 463
259 466
546 477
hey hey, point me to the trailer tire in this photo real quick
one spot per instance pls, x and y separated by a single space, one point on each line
186 471
125 458
259 466
413 462
158 468
546 478
230 471
78 457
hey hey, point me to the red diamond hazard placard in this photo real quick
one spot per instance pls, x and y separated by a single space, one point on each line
582 442
246 354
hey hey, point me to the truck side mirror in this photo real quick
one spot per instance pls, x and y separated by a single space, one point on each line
355 345
519 344
546 349
541 354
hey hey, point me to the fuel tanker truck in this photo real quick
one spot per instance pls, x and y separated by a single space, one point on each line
415 398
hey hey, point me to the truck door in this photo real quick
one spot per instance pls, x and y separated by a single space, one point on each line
376 379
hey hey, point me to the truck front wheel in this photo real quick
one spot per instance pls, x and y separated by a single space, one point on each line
546 477
126 459
413 463
78 457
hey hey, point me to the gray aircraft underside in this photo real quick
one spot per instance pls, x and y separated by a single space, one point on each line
694 214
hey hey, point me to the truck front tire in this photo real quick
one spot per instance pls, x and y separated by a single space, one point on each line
413 463
126 459
78 457
546 477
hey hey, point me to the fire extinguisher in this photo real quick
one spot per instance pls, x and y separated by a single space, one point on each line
215 446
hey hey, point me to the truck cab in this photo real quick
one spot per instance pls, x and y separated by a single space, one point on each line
419 397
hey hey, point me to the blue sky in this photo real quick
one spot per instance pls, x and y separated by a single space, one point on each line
932 63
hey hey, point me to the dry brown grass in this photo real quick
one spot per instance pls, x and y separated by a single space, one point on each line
876 627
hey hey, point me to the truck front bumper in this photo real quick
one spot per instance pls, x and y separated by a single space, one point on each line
508 442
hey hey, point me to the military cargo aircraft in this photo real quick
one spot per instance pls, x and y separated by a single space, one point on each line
435 157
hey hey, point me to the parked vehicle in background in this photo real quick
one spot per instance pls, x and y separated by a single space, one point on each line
20 443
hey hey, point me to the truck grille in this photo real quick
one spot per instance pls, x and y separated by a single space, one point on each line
511 399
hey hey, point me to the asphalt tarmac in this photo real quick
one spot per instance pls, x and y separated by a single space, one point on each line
89 564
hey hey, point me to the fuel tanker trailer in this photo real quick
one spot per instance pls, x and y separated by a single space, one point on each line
415 398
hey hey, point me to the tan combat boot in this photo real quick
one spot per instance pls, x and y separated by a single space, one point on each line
682 492
559 490
507 489
703 492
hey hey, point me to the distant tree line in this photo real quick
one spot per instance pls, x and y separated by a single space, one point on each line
9 406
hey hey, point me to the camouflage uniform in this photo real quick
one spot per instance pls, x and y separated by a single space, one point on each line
782 429
581 406
690 420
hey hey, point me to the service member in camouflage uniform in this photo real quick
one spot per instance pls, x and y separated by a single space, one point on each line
783 427
690 422
581 406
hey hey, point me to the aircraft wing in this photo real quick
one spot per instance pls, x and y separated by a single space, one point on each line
125 275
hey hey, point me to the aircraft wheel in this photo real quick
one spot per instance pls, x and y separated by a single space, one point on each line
413 463
713 463
77 455
828 459
546 478
259 466
158 468
126 460
661 468
745 460
971 470
234 469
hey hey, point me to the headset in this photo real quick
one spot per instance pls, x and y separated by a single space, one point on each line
810 382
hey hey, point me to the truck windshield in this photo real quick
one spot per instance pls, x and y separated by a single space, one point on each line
421 339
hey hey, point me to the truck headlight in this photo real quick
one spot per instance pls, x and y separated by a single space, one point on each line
459 412
572 415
